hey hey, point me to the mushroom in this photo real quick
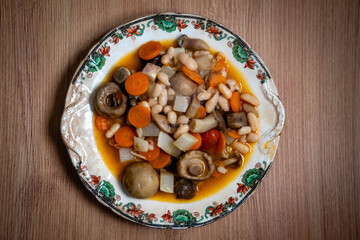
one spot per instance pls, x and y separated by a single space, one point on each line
106 103
195 165
236 120
220 120
203 125
121 74
185 189
193 108
163 124
203 63
182 84
193 44
140 180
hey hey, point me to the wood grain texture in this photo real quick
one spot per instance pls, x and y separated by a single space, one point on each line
310 47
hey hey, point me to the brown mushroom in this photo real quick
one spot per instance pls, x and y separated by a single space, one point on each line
121 74
106 103
220 120
193 108
203 125
163 124
182 84
185 189
236 120
193 44
195 165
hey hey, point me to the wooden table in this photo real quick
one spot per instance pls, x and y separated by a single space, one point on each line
310 47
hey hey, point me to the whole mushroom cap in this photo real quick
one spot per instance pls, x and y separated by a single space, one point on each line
140 180
195 165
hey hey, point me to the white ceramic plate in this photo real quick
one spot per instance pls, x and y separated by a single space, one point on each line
77 125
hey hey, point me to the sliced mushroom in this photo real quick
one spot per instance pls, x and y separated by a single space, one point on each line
163 124
203 63
195 165
193 108
236 120
182 84
193 44
203 125
121 74
220 120
106 103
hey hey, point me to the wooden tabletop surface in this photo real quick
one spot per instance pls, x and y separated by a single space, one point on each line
311 49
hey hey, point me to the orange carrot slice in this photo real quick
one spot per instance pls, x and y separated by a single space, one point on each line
221 143
124 137
102 123
201 113
216 80
161 161
151 155
234 134
235 102
198 144
193 75
137 84
150 50
139 116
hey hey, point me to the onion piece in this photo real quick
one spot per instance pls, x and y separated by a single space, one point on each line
125 154
228 139
181 103
141 145
185 142
166 143
168 71
151 130
166 181
151 70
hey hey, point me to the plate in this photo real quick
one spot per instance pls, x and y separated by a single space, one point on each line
77 121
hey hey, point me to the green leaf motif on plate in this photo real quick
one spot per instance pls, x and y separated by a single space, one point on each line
182 216
250 176
106 190
96 63
167 26
239 53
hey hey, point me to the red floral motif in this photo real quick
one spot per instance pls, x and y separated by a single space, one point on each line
231 200
83 168
181 25
216 210
135 212
250 63
116 39
167 217
95 180
105 51
241 188
151 216
197 25
214 30
132 30
260 76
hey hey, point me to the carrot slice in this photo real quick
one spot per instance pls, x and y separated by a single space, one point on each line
124 137
137 84
193 75
216 174
151 155
198 144
235 102
201 113
139 116
161 161
103 123
221 143
234 134
150 50
216 80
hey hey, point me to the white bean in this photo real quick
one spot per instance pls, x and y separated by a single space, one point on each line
240 147
249 108
151 147
152 102
247 97
171 98
181 130
243 139
156 109
111 132
223 103
171 92
163 98
139 132
211 103
145 104
171 52
157 90
204 95
252 137
167 109
188 61
222 170
164 78
225 91
182 120
244 130
253 122
172 117
165 59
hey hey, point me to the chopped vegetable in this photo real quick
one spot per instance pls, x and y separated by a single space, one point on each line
201 113
139 116
150 130
193 75
168 71
181 103
140 145
166 181
151 70
137 84
198 143
234 134
166 143
235 102
150 50
177 52
220 65
102 123
185 142
124 137
125 154
228 139
210 139
153 154
216 80
221 144
162 161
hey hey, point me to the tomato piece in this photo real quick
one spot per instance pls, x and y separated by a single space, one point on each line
210 139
